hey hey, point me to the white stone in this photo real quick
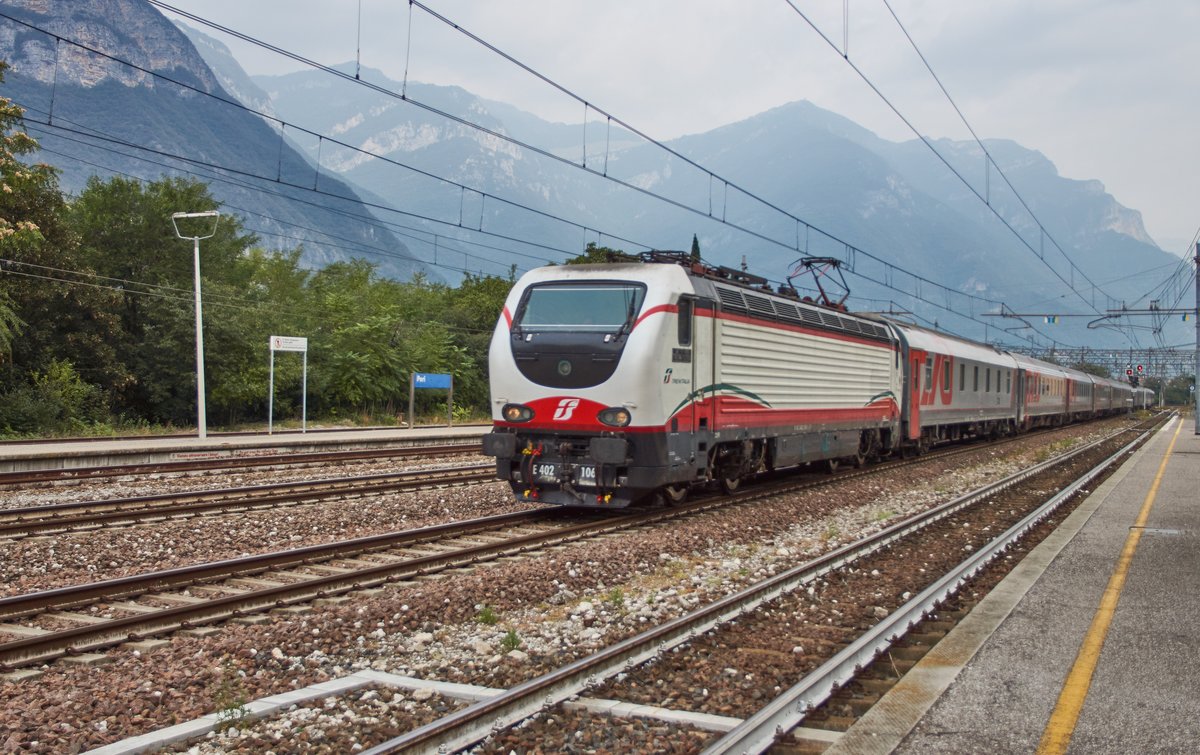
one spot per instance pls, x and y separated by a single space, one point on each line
481 648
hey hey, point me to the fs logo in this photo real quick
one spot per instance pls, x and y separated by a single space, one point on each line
667 375
565 409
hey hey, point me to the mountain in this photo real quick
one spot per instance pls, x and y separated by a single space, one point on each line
126 92
480 185
894 200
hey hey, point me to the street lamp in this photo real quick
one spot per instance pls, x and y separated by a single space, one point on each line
201 423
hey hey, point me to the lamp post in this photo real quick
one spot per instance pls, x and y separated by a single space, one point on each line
201 422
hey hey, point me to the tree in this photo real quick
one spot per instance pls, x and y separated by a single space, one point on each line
1178 391
695 248
43 281
125 234
600 254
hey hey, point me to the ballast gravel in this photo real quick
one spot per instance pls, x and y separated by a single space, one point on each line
495 626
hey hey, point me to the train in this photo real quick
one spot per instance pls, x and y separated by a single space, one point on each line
613 384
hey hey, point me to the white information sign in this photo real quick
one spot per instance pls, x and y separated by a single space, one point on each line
288 343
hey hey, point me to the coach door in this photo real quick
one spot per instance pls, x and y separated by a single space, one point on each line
703 357
681 435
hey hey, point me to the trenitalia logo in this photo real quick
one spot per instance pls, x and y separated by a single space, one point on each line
565 409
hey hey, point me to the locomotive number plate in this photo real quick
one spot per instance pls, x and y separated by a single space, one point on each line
585 475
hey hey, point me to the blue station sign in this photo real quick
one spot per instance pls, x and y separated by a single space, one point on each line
431 380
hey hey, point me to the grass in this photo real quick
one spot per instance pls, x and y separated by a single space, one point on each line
615 598
510 641
230 698
487 615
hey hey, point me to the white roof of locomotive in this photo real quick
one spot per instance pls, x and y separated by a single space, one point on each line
649 274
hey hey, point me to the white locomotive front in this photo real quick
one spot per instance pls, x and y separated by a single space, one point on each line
614 382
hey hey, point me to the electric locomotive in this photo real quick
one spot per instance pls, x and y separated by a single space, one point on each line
614 382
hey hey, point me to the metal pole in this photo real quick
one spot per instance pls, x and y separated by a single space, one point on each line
412 398
304 396
1196 373
201 416
271 394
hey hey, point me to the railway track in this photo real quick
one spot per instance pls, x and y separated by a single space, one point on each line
44 476
211 434
46 625
700 642
79 516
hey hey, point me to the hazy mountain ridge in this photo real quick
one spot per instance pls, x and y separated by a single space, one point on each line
101 108
227 70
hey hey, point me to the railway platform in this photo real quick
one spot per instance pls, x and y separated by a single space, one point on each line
119 452
1089 646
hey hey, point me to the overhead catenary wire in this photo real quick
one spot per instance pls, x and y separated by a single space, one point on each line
322 138
925 140
355 246
987 154
183 296
890 270
92 134
545 153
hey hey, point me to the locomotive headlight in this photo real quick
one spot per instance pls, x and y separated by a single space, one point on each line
516 413
616 416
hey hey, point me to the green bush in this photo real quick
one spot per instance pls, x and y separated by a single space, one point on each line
57 401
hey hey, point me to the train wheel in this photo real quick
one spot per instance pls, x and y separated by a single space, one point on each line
729 485
673 495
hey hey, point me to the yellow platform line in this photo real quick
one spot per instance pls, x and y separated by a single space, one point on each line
1061 727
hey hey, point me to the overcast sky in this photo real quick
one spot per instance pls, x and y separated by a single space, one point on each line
1107 89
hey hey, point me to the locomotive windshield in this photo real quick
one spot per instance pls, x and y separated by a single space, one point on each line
591 306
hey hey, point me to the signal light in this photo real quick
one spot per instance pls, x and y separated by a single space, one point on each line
516 413
1139 369
616 416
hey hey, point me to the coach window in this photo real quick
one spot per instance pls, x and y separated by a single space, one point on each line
947 374
962 377
685 322
987 387
1008 381
928 372
975 387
